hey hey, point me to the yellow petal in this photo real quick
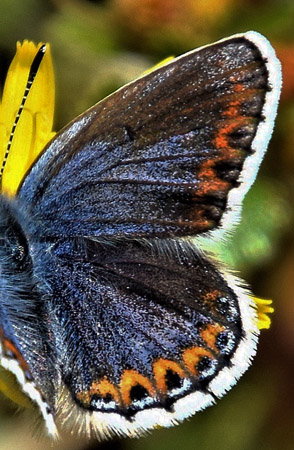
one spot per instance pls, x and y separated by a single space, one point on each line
34 128
160 64
11 388
263 309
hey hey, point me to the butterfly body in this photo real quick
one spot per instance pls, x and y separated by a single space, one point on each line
125 324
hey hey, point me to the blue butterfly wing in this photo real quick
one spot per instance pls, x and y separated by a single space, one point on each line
161 156
120 326
123 311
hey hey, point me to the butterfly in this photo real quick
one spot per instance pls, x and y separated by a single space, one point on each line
112 317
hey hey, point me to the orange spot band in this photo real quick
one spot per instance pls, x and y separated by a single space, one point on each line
192 356
210 334
131 378
160 368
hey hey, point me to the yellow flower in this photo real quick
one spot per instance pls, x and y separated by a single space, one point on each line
11 388
160 64
263 309
33 131
34 128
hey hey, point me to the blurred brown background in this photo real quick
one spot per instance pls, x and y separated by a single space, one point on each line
99 45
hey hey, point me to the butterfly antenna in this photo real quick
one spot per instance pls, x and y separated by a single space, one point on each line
32 75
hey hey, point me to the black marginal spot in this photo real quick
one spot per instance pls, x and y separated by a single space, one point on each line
173 380
241 138
252 108
204 364
240 132
226 343
229 171
222 340
107 398
215 213
138 392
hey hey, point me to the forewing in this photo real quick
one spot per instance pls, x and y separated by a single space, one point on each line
170 154
133 330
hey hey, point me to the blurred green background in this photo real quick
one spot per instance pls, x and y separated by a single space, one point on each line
99 45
